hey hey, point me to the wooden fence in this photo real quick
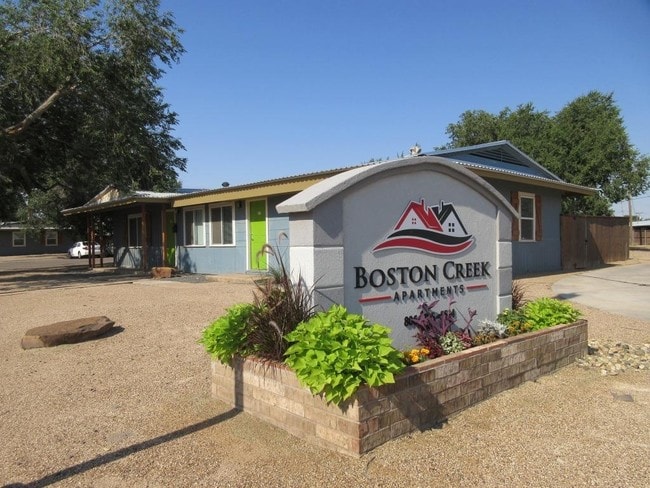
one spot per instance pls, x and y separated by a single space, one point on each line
641 236
590 242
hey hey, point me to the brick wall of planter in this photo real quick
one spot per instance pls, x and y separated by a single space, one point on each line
422 396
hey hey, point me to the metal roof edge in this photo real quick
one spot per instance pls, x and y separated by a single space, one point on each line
508 175
315 195
114 204
495 144
263 183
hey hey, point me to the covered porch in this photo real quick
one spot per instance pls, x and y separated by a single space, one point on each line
141 225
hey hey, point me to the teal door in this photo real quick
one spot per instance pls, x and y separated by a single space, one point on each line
257 234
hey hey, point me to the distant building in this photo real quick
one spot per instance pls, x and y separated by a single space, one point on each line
16 240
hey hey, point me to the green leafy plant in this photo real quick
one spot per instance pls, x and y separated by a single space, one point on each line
546 312
227 336
335 352
280 304
538 314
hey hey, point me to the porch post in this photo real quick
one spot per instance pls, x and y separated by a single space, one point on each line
89 236
91 242
145 240
101 242
163 225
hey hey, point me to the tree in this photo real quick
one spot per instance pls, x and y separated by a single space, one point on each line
80 107
591 147
585 143
525 125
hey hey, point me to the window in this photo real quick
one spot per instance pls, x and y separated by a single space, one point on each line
51 238
221 226
529 226
194 234
135 231
526 217
18 238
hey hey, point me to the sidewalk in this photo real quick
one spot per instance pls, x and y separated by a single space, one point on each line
623 290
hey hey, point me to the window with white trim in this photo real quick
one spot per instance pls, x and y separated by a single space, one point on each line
194 228
18 238
222 232
51 238
134 237
526 217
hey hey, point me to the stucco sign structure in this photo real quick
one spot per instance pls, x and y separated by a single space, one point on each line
386 238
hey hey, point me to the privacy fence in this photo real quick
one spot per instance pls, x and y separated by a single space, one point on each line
589 242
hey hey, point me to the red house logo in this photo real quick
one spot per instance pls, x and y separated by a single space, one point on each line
436 230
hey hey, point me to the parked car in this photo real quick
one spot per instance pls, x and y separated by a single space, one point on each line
80 249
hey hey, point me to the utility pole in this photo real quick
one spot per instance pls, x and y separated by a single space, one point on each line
630 213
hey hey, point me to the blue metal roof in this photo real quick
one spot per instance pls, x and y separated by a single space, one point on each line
499 155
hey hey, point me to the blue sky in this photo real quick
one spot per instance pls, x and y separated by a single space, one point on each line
276 88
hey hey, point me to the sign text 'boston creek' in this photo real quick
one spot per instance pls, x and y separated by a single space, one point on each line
425 278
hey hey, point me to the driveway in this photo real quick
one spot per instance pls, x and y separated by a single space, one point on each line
623 290
45 271
35 262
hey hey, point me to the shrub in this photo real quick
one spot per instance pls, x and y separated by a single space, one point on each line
432 326
227 336
451 343
515 321
489 331
335 352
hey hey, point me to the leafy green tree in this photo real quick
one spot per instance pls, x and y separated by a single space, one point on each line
591 148
584 143
80 104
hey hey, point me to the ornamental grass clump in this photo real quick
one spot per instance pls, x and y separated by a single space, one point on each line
518 295
259 328
335 352
280 304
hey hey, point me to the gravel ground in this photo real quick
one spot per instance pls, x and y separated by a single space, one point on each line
134 408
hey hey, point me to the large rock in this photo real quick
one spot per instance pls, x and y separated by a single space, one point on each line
67 332
162 272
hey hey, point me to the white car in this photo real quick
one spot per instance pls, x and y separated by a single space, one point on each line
80 250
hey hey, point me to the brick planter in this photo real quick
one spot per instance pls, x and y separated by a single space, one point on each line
423 395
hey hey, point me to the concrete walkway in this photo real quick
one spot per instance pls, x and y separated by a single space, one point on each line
624 290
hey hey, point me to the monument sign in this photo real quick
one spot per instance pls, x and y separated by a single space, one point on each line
384 239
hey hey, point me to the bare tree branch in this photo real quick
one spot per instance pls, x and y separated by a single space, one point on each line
21 126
